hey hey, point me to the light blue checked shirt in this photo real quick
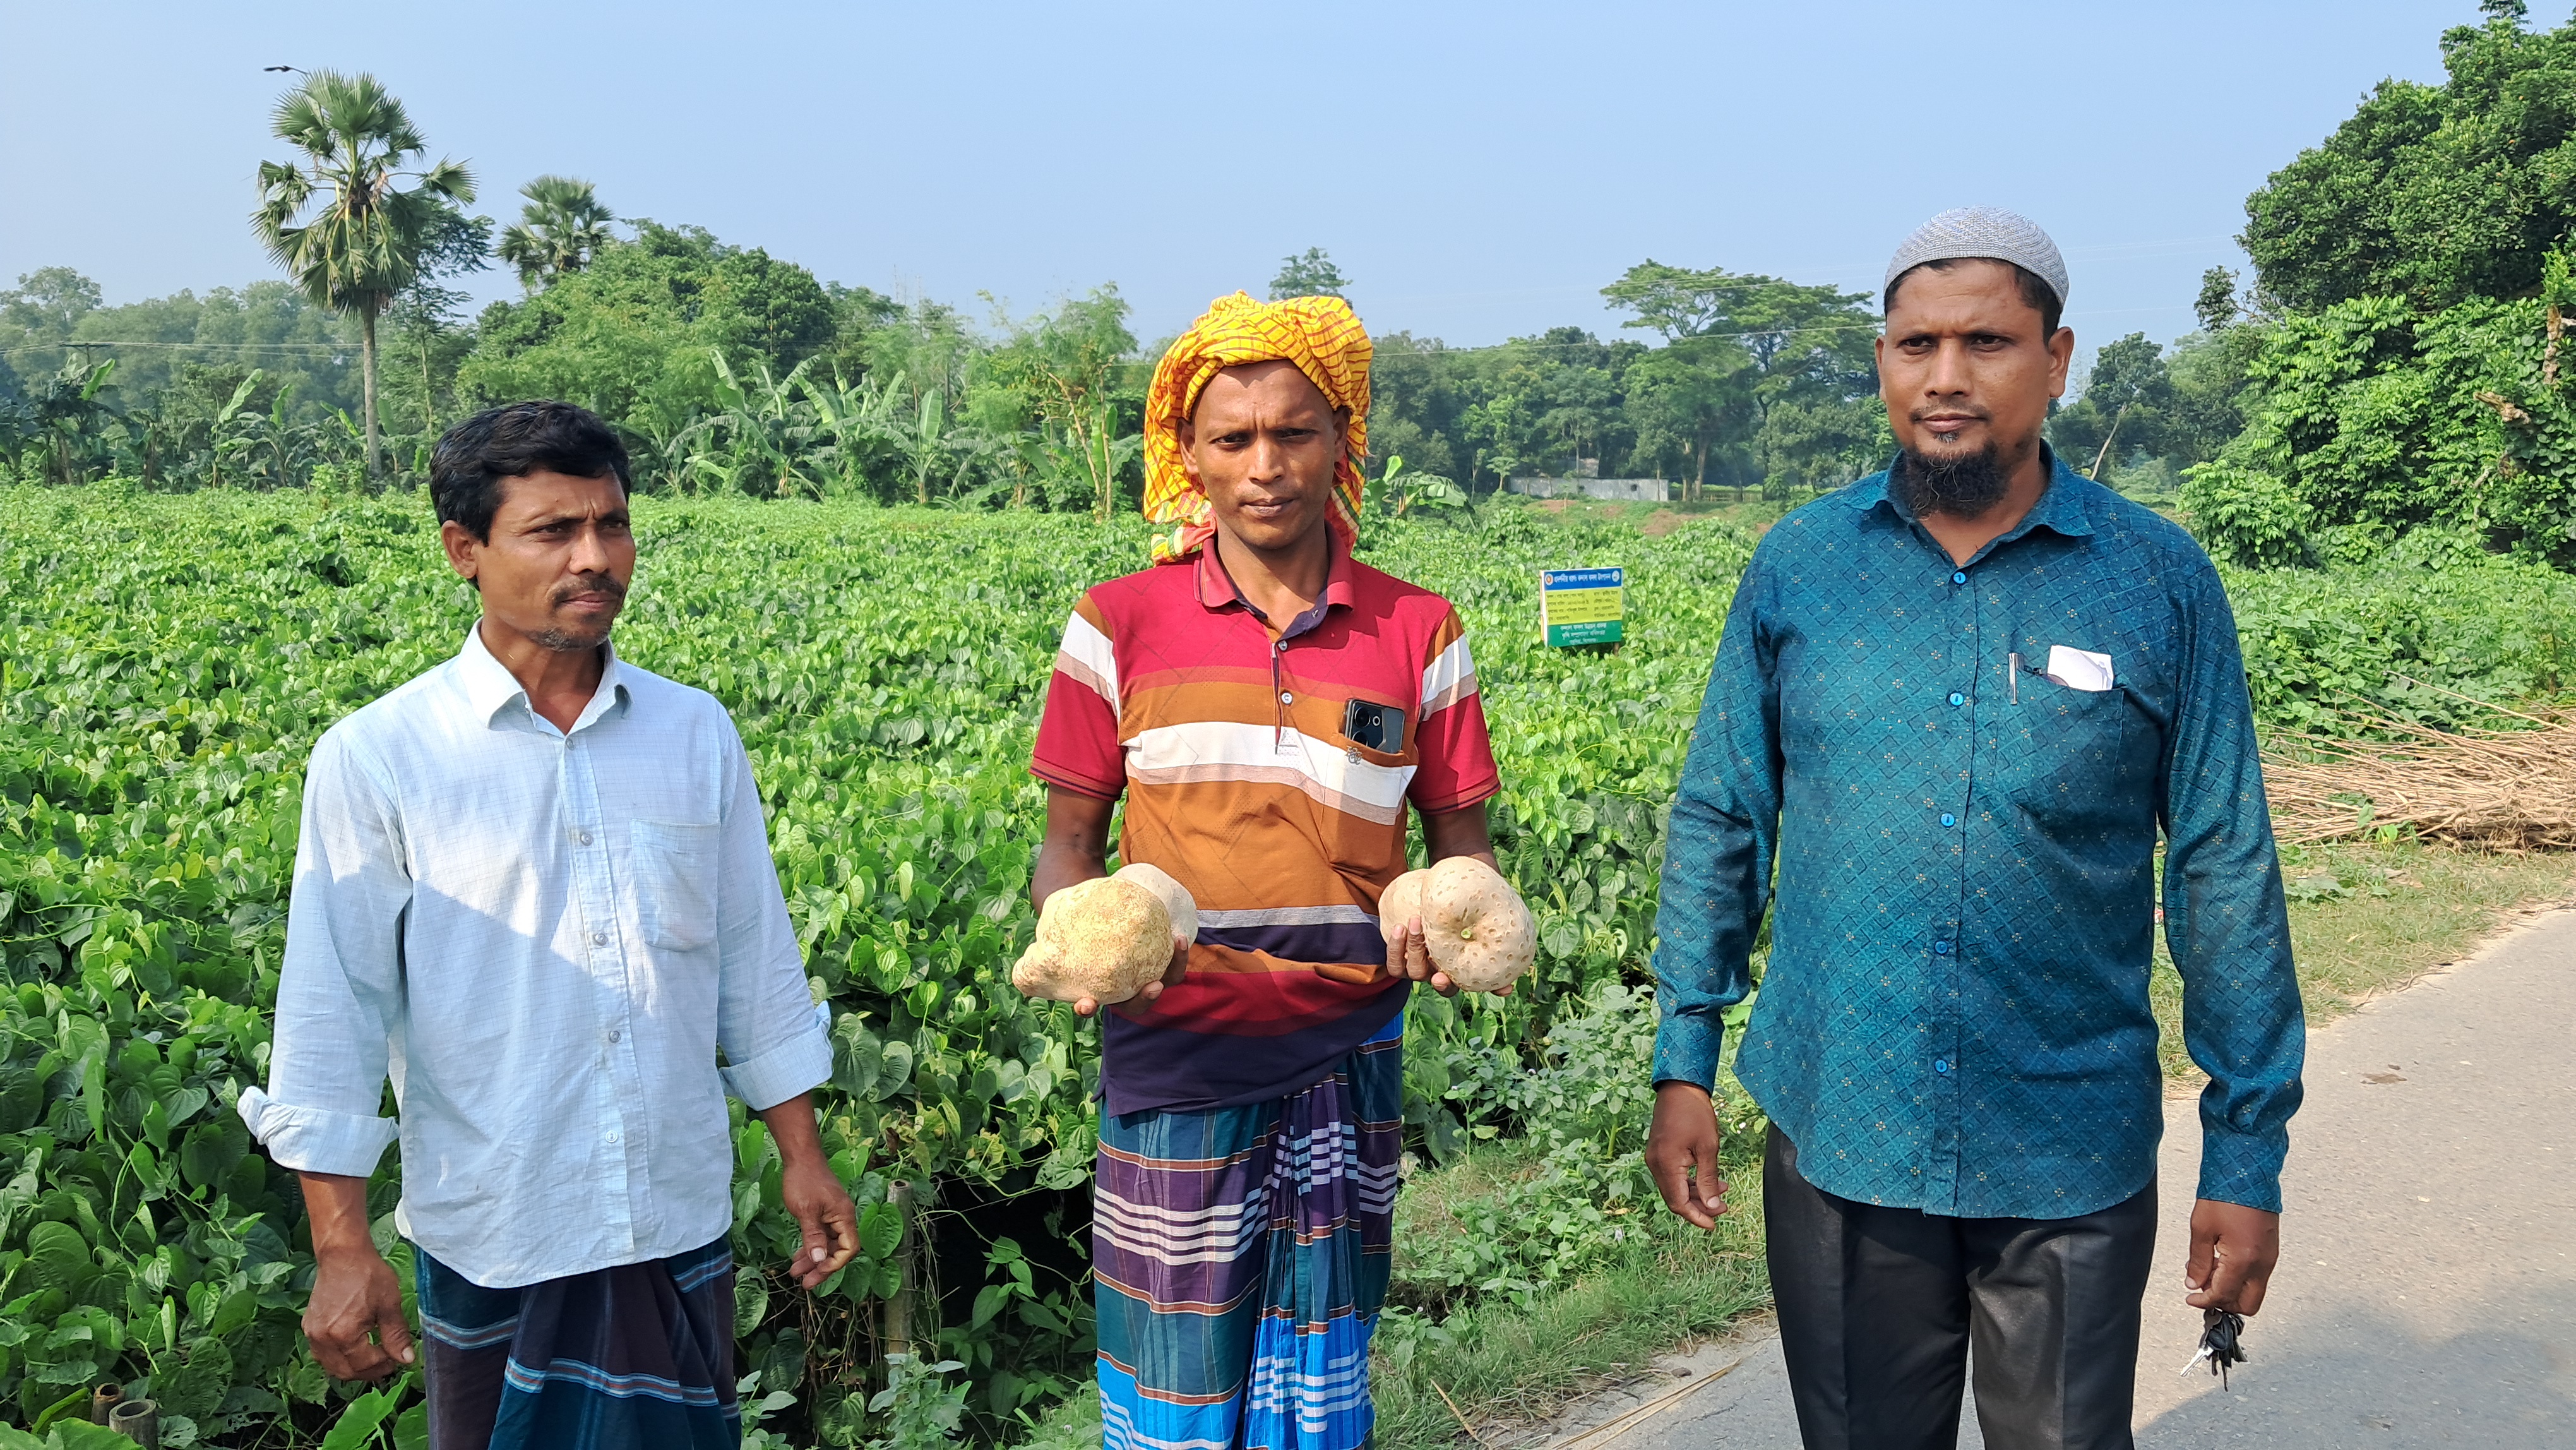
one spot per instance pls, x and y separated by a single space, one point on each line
543 938
1954 1017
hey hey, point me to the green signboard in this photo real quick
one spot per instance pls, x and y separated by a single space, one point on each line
1582 606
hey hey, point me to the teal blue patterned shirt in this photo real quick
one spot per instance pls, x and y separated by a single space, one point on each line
1954 1013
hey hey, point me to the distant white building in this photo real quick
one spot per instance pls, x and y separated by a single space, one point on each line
1587 482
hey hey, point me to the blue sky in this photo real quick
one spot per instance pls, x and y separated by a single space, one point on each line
1478 170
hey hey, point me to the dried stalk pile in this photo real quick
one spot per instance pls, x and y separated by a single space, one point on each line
2511 790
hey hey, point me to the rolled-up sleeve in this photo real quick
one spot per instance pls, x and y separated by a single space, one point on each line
2226 921
339 992
1718 847
774 1042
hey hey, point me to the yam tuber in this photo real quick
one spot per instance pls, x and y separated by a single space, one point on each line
1106 938
1474 924
1176 900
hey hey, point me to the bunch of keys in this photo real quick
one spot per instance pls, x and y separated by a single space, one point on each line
2219 1343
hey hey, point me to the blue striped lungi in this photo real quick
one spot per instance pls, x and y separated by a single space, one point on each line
1239 1258
637 1357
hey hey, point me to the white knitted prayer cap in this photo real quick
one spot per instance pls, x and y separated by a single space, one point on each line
1988 232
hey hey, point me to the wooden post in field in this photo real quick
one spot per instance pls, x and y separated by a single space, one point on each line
138 1421
898 1310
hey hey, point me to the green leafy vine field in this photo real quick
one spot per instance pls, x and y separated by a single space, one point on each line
166 663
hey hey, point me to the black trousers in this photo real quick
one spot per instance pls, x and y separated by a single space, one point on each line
1878 1307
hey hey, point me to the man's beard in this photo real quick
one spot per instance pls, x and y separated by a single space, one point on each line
569 641
565 641
1962 485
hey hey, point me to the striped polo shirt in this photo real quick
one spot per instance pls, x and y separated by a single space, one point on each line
1225 734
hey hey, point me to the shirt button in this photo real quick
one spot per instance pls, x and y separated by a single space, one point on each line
1286 698
1941 1065
610 1136
599 938
1960 578
1957 699
1941 947
582 836
612 1034
1949 820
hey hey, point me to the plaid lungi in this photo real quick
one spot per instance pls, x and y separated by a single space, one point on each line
1240 1256
638 1357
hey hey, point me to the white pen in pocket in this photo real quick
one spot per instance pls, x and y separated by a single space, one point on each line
2012 677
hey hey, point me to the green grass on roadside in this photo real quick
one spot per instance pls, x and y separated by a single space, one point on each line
2368 919
1516 1363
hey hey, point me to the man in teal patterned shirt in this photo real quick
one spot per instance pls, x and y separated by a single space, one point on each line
1954 704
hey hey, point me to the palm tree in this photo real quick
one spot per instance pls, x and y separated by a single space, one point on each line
561 228
335 217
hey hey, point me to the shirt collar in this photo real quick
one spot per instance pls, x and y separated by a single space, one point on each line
1217 589
490 688
2066 505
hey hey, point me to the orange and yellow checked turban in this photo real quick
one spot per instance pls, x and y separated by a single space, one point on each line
1321 335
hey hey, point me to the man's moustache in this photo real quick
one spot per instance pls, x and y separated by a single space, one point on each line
590 584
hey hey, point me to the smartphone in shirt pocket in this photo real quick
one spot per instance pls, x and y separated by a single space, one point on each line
1372 726
1372 775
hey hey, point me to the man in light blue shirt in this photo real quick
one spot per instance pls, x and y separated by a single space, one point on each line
534 887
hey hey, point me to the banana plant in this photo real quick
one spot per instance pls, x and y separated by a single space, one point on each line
228 435
859 421
61 427
271 449
1401 492
924 448
1090 457
929 444
762 438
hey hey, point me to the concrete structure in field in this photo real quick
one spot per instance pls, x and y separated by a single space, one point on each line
1587 482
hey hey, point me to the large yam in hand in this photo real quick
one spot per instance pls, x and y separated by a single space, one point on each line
1176 900
1475 925
1106 938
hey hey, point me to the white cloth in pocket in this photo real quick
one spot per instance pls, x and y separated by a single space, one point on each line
2078 669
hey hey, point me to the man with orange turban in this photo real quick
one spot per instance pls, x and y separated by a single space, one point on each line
1269 708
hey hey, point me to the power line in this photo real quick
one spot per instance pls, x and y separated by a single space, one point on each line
1865 273
1532 345
71 343
1514 345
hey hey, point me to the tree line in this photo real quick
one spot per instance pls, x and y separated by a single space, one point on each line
729 368
2391 371
2405 394
732 369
